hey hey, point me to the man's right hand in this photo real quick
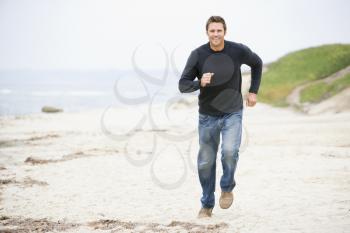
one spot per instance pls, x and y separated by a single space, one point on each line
206 78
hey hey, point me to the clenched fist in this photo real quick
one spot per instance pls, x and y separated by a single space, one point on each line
206 78
251 100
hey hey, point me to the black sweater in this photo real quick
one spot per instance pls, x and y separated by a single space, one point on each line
223 94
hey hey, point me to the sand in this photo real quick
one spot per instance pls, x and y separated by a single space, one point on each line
133 169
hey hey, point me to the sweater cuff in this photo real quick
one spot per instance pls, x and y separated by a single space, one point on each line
196 84
253 91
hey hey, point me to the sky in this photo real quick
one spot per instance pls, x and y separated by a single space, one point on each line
111 34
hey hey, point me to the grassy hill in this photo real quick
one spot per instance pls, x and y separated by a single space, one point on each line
300 67
320 91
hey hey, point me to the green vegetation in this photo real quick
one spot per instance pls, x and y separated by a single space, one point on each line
320 91
301 67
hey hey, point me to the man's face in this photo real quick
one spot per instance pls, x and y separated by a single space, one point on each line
216 34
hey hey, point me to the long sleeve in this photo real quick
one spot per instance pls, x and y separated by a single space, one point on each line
254 61
186 82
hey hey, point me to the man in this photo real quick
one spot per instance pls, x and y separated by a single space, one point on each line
216 65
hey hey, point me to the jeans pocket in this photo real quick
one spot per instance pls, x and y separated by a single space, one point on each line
202 116
203 119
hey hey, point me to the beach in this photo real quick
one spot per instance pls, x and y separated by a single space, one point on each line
133 169
99 116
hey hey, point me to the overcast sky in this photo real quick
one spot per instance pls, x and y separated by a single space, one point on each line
90 35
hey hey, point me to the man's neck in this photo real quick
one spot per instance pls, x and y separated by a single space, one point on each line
217 48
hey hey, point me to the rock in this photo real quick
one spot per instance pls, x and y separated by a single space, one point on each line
49 109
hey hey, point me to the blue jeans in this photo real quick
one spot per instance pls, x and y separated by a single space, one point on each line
209 128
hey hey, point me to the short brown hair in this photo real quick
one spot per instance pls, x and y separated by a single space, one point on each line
215 19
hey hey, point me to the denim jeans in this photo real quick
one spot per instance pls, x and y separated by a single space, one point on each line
209 129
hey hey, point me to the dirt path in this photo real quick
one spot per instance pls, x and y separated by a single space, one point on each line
294 98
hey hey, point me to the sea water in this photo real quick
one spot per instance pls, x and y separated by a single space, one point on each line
27 91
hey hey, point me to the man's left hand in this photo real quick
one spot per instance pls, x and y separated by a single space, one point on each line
251 100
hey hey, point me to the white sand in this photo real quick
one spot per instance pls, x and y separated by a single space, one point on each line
293 174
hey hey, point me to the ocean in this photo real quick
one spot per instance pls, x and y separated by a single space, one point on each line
25 91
